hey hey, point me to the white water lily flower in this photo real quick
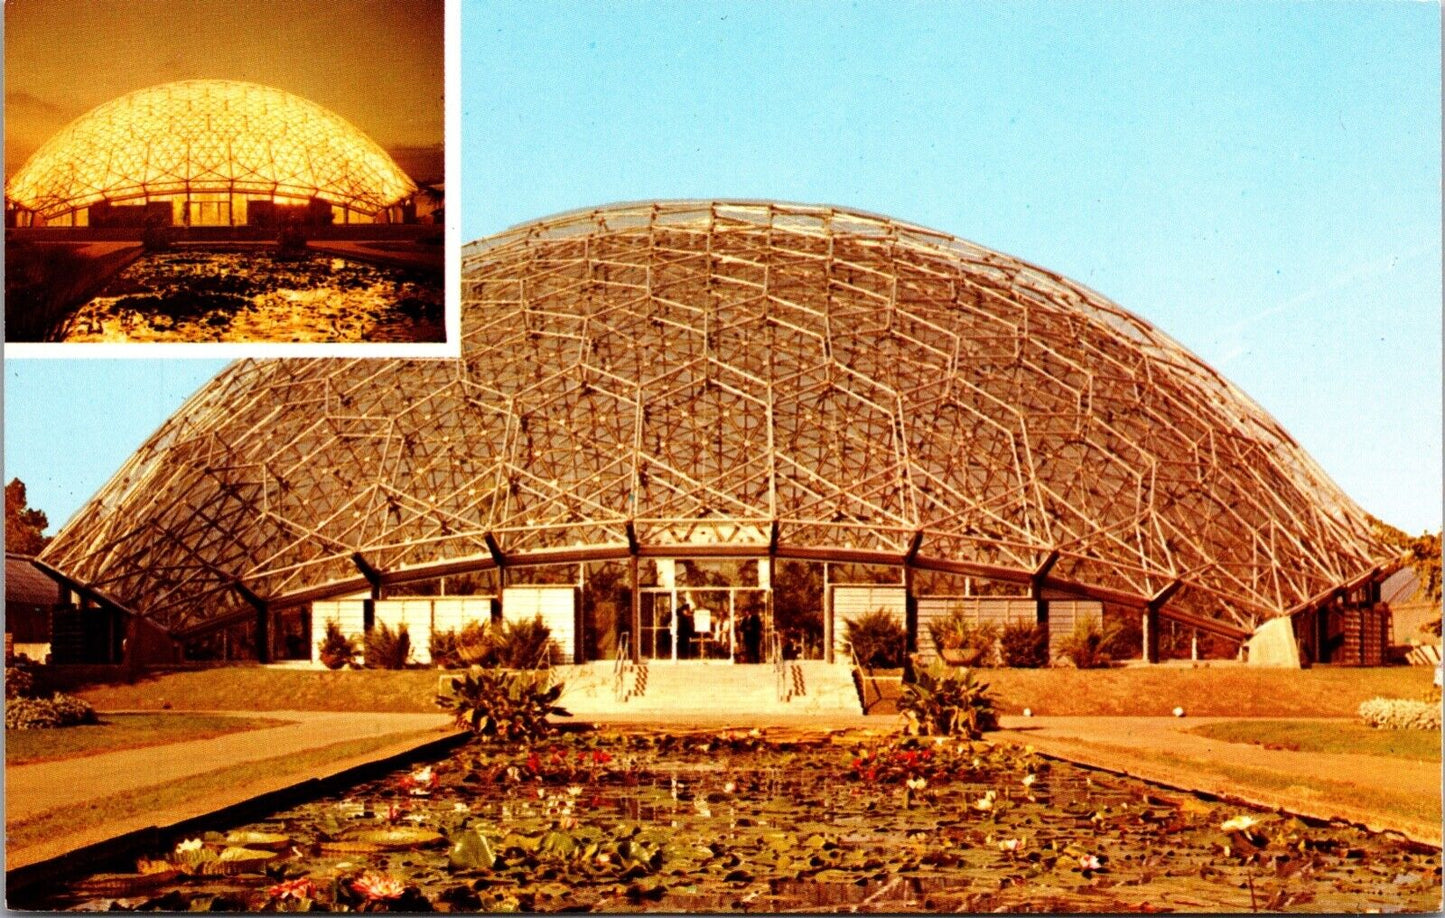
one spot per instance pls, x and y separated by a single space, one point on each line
729 787
190 844
461 808
1089 862
1029 780
1239 824
1009 844
985 802
917 783
573 790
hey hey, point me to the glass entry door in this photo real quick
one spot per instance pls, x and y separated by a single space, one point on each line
655 641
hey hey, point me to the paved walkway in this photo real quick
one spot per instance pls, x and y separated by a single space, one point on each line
1161 749
390 253
34 789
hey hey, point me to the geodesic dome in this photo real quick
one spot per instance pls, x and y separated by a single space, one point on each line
208 137
735 379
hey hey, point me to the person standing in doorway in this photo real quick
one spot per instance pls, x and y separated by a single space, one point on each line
752 634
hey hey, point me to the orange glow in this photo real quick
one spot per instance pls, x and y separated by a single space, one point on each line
208 137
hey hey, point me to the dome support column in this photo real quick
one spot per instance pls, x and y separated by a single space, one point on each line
910 601
1150 650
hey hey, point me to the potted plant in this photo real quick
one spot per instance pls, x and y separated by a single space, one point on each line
961 642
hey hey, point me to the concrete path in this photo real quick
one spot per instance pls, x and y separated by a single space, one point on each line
31 790
1161 749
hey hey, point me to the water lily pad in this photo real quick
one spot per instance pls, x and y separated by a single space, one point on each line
397 838
125 884
235 860
270 841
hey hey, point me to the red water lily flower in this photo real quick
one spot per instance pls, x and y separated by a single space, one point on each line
600 758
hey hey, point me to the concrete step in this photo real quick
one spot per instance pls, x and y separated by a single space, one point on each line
813 687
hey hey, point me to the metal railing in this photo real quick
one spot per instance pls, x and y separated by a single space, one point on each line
781 680
866 678
621 666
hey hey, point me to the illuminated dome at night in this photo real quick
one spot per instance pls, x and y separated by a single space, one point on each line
736 380
212 150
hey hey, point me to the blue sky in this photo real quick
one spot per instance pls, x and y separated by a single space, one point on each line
1261 181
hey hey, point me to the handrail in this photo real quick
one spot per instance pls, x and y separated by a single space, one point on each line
619 666
780 668
863 680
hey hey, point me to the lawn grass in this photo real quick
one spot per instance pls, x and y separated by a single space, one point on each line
1214 691
1328 736
156 800
1326 793
257 688
122 731
1217 691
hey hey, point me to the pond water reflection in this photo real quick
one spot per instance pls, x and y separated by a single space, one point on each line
257 295
737 822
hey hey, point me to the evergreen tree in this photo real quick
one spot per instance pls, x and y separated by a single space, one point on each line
24 525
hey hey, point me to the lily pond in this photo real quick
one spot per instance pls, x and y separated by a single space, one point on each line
258 295
766 822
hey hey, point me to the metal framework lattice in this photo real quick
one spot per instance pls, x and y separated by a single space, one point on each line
728 379
207 137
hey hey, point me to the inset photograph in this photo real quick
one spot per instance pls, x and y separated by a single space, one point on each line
206 171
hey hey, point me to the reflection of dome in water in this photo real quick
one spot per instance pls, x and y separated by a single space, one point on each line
208 137
728 379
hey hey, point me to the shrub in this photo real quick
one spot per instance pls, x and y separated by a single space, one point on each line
336 649
442 646
1085 647
1024 645
947 702
1400 714
878 639
19 680
504 704
524 644
43 713
975 643
387 649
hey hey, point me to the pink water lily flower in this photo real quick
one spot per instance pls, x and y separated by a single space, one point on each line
377 886
293 889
